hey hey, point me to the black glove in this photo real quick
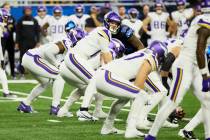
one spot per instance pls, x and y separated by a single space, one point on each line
165 83
2 64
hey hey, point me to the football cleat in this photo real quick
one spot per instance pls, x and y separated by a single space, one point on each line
188 135
111 130
54 110
85 116
100 114
149 137
24 108
133 133
63 112
168 124
9 96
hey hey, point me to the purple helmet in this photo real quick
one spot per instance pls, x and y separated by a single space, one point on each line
205 6
133 13
4 14
57 9
117 48
159 49
180 2
112 17
79 10
57 12
75 35
41 9
158 3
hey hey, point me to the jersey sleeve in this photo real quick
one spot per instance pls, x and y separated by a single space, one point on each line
204 23
126 31
153 62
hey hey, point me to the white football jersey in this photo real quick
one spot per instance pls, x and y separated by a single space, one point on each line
181 18
57 28
42 21
158 26
136 26
80 22
95 42
128 66
190 41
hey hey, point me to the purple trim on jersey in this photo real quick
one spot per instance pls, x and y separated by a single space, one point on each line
177 84
107 33
120 84
79 66
201 21
152 85
92 55
136 56
42 64
64 43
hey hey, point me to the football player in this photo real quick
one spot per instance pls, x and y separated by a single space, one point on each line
42 63
56 25
133 21
190 72
79 17
42 19
158 21
4 15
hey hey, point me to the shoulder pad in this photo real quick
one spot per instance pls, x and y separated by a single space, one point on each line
126 31
204 23
105 33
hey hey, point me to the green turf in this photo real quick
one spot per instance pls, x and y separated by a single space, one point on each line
18 126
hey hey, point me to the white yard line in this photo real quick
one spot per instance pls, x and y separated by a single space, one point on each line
22 81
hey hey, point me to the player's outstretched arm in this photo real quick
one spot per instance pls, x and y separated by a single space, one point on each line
136 42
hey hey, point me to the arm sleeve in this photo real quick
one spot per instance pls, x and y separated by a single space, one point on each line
50 54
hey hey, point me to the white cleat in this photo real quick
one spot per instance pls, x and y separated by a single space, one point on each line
100 114
142 126
85 116
64 113
168 124
107 130
133 134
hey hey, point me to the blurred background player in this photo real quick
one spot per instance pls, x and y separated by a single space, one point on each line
42 19
182 18
93 21
8 42
55 25
133 21
158 21
79 17
27 34
4 15
122 12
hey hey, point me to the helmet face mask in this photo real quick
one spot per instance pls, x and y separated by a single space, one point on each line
205 6
133 14
79 11
159 8
57 12
4 14
112 22
41 11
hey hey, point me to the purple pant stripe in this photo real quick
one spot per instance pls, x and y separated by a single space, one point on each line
37 61
119 84
151 86
178 76
79 66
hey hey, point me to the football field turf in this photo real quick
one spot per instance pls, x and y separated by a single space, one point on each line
19 126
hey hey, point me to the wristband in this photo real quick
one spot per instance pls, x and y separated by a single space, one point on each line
204 71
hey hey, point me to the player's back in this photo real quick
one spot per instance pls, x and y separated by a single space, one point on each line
93 43
190 42
128 66
40 50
